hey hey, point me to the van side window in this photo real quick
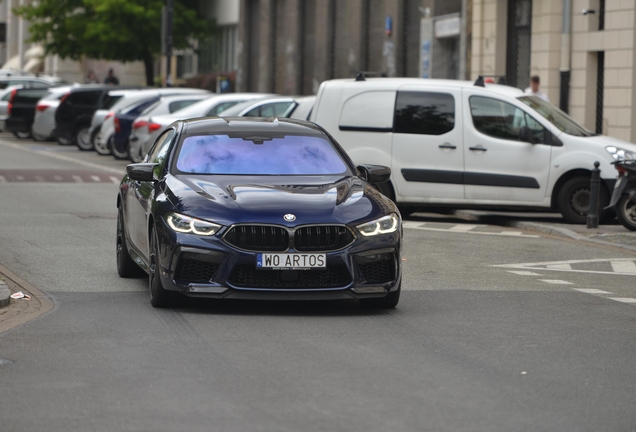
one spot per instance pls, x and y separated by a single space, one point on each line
424 113
502 120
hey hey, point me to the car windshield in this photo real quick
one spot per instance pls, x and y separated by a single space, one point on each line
259 154
558 118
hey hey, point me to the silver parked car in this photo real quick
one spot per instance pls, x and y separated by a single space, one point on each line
110 100
44 121
144 136
284 107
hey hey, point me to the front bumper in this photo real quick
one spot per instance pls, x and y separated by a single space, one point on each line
208 267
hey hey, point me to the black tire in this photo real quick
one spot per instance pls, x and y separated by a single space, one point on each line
626 212
103 148
159 296
573 200
116 153
126 267
22 135
388 302
82 138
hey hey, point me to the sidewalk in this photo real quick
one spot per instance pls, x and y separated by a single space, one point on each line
613 234
16 312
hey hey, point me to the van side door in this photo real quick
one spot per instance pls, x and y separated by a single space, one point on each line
500 166
428 151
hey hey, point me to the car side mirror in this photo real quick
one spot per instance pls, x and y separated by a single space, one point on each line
526 135
141 171
375 173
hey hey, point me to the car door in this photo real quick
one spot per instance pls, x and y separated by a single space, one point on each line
498 165
428 159
144 192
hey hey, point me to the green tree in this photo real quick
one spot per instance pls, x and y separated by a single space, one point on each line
121 30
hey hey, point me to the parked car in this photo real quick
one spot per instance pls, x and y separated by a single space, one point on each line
279 106
104 140
257 208
469 145
5 95
21 110
160 105
33 81
75 112
144 135
44 121
110 102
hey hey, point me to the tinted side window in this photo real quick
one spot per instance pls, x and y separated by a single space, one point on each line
159 152
502 120
84 98
221 107
176 106
268 110
140 108
39 84
109 101
424 113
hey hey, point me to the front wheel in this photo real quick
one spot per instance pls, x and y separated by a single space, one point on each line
126 267
388 302
82 138
102 146
574 200
159 296
626 212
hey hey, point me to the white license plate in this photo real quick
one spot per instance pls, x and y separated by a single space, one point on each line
290 261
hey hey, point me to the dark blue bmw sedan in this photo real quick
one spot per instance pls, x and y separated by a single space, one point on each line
258 208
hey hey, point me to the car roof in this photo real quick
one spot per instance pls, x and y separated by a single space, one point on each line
205 125
396 83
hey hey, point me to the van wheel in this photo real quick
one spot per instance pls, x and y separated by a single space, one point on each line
574 200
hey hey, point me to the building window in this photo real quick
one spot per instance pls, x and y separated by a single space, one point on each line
218 53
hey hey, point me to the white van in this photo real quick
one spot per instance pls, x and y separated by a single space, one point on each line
458 144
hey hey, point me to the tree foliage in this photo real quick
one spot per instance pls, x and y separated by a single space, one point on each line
121 30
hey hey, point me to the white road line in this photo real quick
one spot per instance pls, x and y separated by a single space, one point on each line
118 171
556 282
19 177
96 178
115 179
78 179
624 266
39 178
57 178
511 233
623 299
417 225
560 266
463 228
591 291
523 273
2 179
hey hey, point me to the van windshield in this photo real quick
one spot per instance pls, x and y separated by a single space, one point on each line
555 116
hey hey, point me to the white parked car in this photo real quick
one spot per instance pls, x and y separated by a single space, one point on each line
462 145
44 121
147 128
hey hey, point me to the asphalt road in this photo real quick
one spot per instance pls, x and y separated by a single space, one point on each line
494 332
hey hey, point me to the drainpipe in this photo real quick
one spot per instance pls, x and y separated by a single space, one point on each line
566 50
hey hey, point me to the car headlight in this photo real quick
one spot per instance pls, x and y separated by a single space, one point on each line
384 225
620 154
186 224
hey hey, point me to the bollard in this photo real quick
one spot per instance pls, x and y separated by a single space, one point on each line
595 183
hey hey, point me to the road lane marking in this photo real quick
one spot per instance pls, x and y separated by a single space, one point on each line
623 299
623 266
418 226
115 179
2 179
463 228
556 282
524 273
78 179
39 179
591 291
19 178
96 178
57 178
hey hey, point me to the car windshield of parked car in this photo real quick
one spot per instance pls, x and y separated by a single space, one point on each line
259 154
555 116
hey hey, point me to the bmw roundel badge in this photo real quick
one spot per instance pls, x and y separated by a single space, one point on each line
289 217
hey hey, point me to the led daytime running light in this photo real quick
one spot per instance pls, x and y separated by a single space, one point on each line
379 226
185 224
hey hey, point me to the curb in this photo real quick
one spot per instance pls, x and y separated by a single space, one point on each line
5 294
536 227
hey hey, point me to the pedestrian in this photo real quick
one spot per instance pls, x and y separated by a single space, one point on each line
534 88
111 78
91 78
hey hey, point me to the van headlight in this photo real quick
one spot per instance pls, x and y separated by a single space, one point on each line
620 154
186 224
384 225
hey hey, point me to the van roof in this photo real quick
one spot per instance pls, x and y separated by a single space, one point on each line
396 83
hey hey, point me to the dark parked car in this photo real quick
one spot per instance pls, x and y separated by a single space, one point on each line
259 208
123 126
21 110
75 112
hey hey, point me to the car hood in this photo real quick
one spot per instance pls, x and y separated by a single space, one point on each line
605 141
314 199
